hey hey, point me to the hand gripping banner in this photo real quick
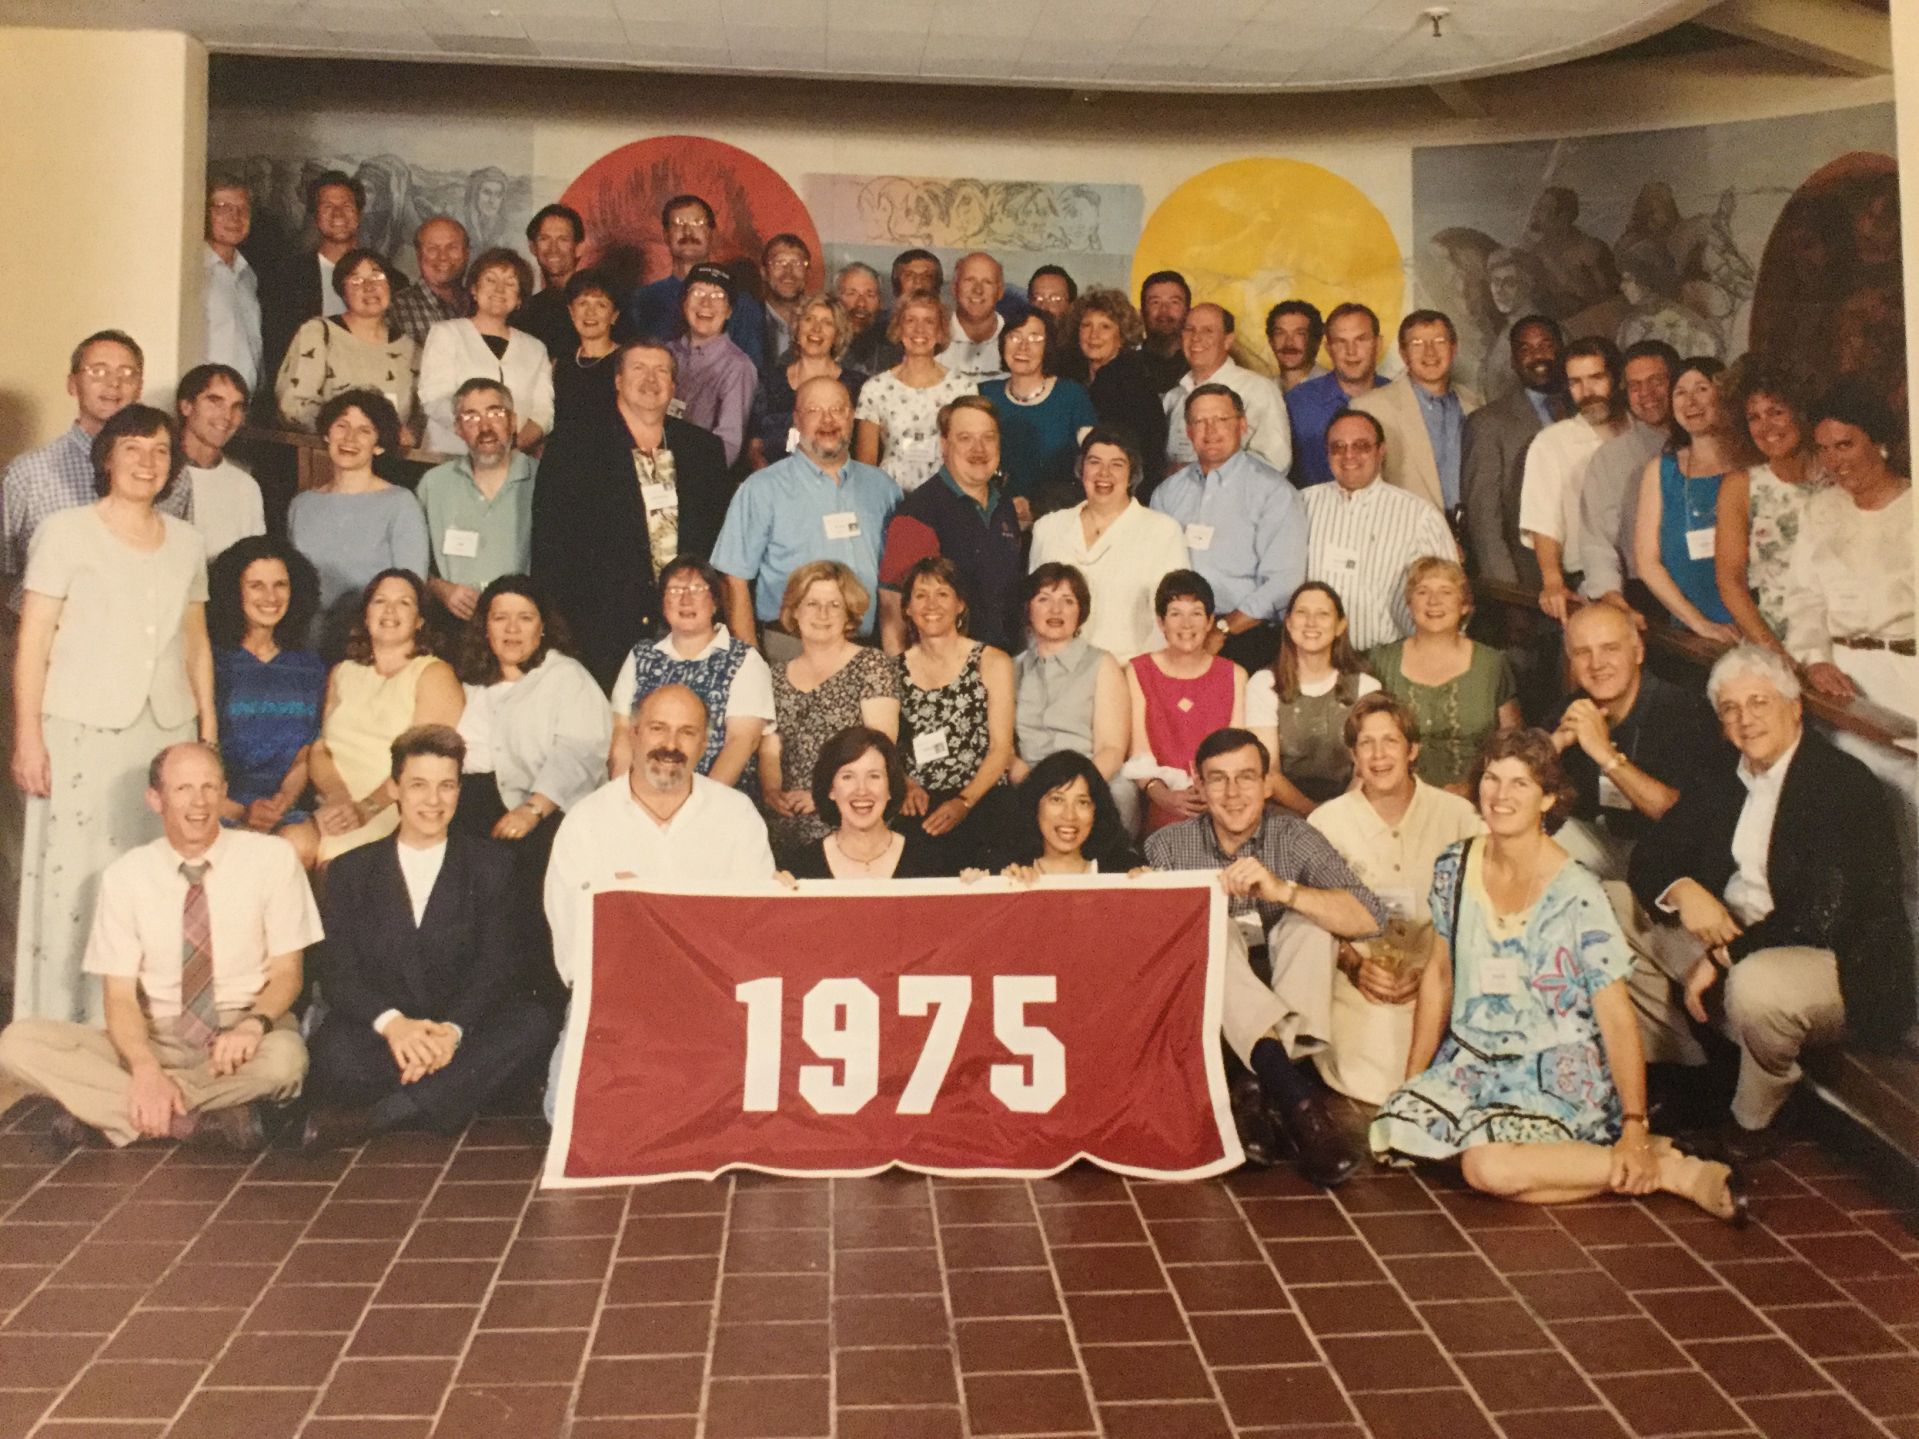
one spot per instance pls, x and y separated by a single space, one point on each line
942 1027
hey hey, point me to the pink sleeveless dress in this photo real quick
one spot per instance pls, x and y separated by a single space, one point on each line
1180 713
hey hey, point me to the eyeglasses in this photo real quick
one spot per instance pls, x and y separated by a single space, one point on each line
693 225
821 412
788 264
365 282
1428 347
1024 340
99 370
491 412
1217 783
1756 707
823 607
692 590
230 207
1353 447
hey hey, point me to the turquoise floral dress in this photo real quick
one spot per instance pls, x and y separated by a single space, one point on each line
1522 1061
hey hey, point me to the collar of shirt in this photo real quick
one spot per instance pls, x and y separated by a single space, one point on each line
680 815
957 334
799 457
211 856
1774 775
1340 495
238 268
1542 403
705 355
722 637
993 492
519 471
1234 467
1435 404
1065 660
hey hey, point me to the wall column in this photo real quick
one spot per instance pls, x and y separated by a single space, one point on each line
105 174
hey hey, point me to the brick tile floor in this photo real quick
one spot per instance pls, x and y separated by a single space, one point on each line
423 1288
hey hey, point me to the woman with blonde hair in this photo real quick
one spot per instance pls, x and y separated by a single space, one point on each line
896 422
1101 338
821 333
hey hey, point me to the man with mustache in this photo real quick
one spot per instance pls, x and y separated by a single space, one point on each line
1556 468
819 503
660 822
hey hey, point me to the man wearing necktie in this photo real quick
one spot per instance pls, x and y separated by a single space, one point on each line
199 942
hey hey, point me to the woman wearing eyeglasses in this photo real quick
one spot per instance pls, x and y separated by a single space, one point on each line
360 349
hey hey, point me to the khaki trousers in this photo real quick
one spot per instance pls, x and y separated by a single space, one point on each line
1777 1003
1297 1008
79 1069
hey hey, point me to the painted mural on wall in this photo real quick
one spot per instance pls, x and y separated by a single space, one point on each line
1088 229
1250 233
1710 237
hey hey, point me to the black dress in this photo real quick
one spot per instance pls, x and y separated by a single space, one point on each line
1127 399
917 861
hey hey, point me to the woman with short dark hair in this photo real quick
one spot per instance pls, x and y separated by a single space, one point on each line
1180 694
362 348
1526 1060
583 378
485 345
1761 506
268 687
112 664
858 786
1068 694
1041 415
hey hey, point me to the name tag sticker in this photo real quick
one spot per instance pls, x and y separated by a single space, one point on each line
843 526
1701 544
1611 796
659 498
929 747
1397 901
462 544
792 439
1499 974
1199 537
1340 560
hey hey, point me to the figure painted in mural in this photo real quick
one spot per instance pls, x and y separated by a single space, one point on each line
1579 267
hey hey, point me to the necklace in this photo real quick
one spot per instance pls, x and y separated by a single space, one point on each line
585 364
1035 397
866 864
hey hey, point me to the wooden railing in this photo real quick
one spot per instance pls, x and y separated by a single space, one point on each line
308 453
1680 645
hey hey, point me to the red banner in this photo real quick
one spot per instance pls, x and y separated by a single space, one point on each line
948 1028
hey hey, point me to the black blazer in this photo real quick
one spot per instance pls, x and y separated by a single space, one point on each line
457 966
590 546
1833 867
1125 397
1492 472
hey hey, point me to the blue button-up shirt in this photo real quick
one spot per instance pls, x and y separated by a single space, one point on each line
1445 424
1311 405
777 522
1542 403
1256 555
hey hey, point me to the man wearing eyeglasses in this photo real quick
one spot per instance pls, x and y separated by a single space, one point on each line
786 264
1779 876
232 287
1424 413
479 508
654 310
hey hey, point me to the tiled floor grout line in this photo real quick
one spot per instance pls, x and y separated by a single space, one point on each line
1066 1313
346 1344
486 1295
832 1292
1185 1318
1764 1318
946 1298
599 1305
1312 1336
732 1183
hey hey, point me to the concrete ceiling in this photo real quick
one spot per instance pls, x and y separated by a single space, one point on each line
1155 45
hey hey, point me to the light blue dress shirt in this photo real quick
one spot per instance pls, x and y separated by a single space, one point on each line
1255 554
1445 424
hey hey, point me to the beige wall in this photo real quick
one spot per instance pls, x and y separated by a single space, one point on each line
104 169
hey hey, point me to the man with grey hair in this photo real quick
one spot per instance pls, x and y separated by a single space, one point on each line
661 822
1778 875
479 507
857 288
440 249
973 350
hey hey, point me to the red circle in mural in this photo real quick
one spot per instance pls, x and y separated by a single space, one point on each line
619 197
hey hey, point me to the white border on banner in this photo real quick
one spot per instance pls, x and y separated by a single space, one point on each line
554 1174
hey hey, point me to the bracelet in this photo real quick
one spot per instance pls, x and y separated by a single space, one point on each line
964 800
1634 1119
1614 763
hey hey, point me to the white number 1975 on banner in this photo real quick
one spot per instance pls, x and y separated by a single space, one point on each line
840 1022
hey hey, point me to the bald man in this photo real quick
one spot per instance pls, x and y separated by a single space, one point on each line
978 284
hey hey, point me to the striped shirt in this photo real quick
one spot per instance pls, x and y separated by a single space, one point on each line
58 476
1361 542
1288 846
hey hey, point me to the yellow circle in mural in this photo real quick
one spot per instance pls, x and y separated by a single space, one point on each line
1250 233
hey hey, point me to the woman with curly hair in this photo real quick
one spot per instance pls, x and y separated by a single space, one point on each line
1103 332
1526 1060
267 687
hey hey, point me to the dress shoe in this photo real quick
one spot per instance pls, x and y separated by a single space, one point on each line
67 1134
1323 1157
1258 1134
239 1129
335 1126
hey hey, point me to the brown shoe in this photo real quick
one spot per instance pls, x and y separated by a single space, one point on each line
239 1129
67 1134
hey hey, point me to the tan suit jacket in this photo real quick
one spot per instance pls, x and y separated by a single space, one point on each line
1409 452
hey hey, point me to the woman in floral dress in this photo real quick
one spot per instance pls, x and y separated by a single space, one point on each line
1526 1060
1760 507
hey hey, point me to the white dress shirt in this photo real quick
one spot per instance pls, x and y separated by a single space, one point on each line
1269 428
1850 575
1749 892
259 904
1361 542
233 314
977 360
226 505
1122 569
1555 476
715 840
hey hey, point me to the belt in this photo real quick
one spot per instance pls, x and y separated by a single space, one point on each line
1872 642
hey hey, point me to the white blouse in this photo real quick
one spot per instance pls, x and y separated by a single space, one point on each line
1850 575
1122 568
546 732
455 352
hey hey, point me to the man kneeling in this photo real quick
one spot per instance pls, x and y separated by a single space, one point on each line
198 940
424 1023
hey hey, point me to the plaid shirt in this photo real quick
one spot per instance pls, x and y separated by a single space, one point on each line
57 476
416 309
1287 845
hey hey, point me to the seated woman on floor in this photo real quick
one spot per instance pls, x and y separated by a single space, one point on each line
858 784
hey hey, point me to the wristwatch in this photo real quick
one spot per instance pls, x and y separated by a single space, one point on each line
266 1025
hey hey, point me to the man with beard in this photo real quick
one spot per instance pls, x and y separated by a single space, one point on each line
660 822
1493 466
1164 299
212 404
479 508
819 503
857 288
654 310
440 250
1609 500
1556 469
619 495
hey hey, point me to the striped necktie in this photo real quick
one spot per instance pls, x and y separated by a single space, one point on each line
198 1021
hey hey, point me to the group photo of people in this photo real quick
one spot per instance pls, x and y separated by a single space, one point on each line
743 580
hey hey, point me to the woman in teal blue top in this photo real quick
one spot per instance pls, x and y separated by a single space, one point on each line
261 596
1040 418
1679 503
